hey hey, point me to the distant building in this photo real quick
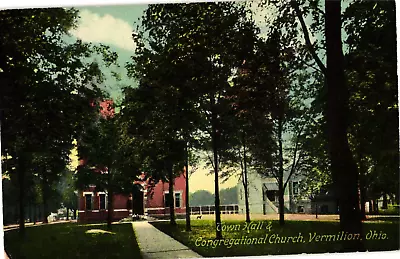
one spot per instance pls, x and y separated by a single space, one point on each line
263 195
325 201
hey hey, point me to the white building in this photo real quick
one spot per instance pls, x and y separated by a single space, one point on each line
263 195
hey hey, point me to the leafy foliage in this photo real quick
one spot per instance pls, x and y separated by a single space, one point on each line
48 83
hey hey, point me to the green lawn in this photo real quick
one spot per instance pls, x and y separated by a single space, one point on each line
70 240
201 239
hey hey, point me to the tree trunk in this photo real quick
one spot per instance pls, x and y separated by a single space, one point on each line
110 208
281 191
16 215
34 214
30 212
45 199
376 206
385 202
363 191
40 214
134 194
281 200
21 182
216 182
363 201
67 213
246 185
371 207
172 220
187 204
344 169
246 200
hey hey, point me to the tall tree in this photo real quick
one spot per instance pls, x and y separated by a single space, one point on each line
205 41
372 78
103 147
191 159
347 98
47 86
49 168
201 198
273 105
152 127
229 196
69 193
344 169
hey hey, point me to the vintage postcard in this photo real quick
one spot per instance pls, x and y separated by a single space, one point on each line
199 129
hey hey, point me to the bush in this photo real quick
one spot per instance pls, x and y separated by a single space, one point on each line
391 210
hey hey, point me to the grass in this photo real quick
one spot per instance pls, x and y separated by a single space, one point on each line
70 240
391 210
201 238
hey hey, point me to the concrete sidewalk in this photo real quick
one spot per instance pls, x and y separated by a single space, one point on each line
154 244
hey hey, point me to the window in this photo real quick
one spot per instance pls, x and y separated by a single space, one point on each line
295 188
88 201
166 199
102 201
177 200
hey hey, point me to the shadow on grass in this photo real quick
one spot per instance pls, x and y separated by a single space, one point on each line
317 237
71 240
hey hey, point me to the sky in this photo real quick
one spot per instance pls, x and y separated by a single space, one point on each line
113 25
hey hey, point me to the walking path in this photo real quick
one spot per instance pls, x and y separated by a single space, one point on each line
154 244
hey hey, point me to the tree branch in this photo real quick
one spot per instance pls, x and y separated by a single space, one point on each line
294 163
309 45
209 158
301 155
275 174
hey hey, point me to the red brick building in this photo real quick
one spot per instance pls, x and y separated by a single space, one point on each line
156 201
149 200
152 201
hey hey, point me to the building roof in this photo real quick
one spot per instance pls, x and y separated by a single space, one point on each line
271 186
106 108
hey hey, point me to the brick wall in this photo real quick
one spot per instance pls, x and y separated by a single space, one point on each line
155 200
122 203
